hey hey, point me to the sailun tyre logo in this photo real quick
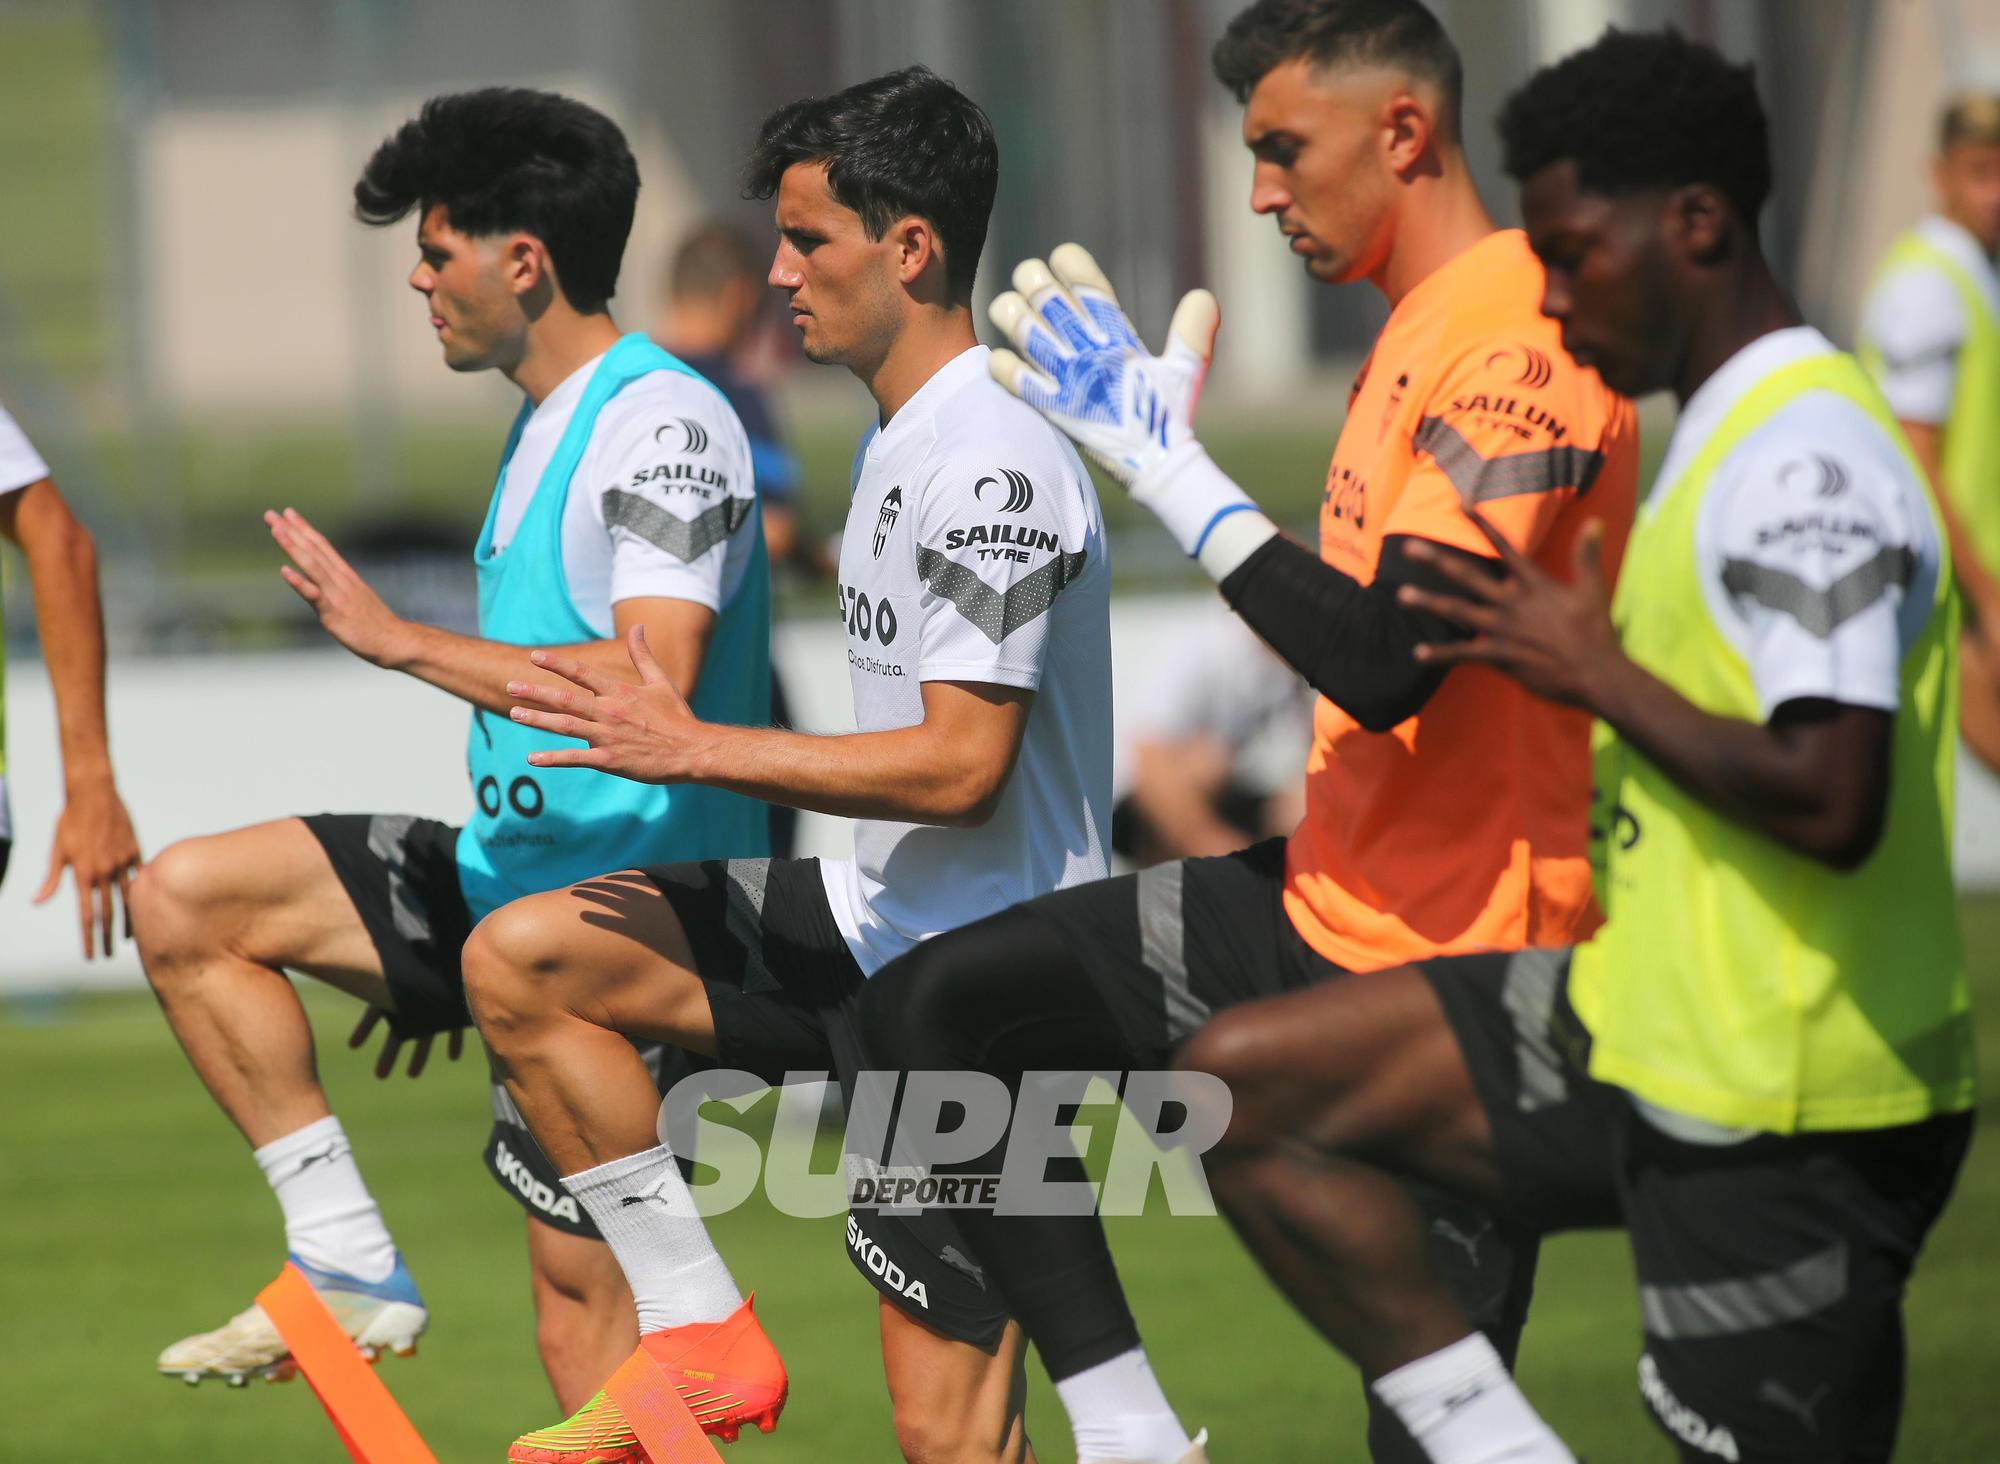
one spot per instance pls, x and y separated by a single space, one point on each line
1828 479
1536 369
1020 492
696 434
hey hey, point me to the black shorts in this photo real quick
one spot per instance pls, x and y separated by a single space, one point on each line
783 989
6 852
1771 1270
1172 945
401 872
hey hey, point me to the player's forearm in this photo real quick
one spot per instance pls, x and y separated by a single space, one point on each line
1353 644
910 775
1767 777
62 566
478 671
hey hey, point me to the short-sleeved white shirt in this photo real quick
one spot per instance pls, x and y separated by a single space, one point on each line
20 464
1915 317
666 450
1816 545
974 551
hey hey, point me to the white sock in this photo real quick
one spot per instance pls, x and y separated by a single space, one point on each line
1117 1411
1463 1408
330 1218
643 1206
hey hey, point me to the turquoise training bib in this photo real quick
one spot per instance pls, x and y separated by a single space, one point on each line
534 829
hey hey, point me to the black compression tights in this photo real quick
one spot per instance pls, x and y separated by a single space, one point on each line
1006 996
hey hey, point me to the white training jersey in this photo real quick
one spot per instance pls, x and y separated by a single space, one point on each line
1916 318
665 449
1816 546
975 552
20 465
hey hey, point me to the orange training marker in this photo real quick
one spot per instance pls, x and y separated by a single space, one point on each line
365 1416
665 1428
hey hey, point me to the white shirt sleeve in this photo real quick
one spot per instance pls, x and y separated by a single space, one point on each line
1820 557
672 487
1000 534
1917 321
20 464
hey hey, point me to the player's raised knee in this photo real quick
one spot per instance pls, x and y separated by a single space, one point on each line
169 896
514 959
1237 1046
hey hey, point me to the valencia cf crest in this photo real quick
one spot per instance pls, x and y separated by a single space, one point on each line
892 504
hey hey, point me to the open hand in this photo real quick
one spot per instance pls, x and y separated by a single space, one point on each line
347 607
420 1048
1554 638
1086 370
95 842
646 732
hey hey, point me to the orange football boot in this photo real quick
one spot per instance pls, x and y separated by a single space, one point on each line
726 1373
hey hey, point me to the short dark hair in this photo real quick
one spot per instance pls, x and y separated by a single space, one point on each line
506 158
906 143
1643 110
1970 117
710 257
1340 33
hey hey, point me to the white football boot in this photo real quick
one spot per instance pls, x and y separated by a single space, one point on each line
378 1315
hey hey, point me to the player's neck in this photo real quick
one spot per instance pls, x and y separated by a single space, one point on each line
1964 220
1745 307
558 344
925 346
1441 217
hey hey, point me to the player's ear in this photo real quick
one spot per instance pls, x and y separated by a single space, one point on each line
1408 129
1699 220
524 263
916 248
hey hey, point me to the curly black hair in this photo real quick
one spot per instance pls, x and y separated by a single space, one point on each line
507 158
1644 110
1340 33
908 143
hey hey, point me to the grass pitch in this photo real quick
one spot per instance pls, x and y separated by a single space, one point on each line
130 1215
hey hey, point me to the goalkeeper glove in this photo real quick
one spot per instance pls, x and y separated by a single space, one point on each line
1132 412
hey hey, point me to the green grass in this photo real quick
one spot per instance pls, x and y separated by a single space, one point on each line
130 1214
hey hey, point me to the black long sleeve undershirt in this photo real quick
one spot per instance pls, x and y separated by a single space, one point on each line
1353 643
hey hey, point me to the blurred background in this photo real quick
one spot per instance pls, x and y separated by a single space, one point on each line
192 329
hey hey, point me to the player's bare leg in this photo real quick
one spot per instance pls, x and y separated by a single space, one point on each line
955 1403
1331 1087
584 1322
1341 1092
217 921
556 981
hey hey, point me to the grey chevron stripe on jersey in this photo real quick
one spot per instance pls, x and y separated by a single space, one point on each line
686 539
1479 478
994 614
1822 612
